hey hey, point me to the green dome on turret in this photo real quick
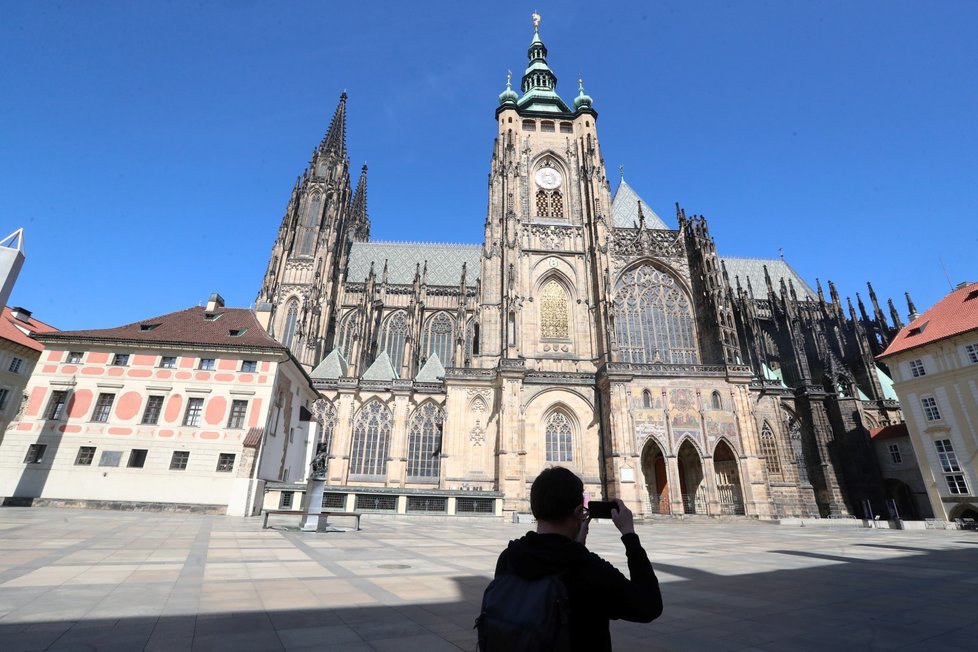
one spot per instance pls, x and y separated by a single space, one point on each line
508 96
582 100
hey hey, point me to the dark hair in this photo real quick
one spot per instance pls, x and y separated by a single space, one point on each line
555 494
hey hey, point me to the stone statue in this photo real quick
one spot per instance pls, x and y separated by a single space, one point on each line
319 465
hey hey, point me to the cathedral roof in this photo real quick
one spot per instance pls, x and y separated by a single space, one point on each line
333 366
381 369
753 269
624 209
444 261
432 371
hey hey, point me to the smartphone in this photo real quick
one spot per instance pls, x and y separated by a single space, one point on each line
601 508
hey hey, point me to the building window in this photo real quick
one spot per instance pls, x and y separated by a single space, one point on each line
179 460
769 449
424 443
328 426
74 357
949 465
86 454
15 365
371 441
249 366
895 456
653 318
646 398
917 368
195 406
225 462
309 227
558 438
168 362
394 336
35 454
931 412
566 128
716 402
529 125
956 485
547 127
207 364
972 351
550 203
439 338
4 397
120 360
285 500
137 458
110 458
291 316
103 407
56 406
348 331
154 405
238 410
553 311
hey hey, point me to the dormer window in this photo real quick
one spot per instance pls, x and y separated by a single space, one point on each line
148 327
237 332
212 316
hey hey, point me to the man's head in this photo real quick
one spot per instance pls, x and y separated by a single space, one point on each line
556 494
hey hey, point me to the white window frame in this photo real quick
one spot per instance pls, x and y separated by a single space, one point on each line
917 368
932 412
971 350
896 455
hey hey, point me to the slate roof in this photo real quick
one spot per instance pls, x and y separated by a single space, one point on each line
624 209
10 329
333 366
381 369
432 371
954 314
190 326
753 269
444 262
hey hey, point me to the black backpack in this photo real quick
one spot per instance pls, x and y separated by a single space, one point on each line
520 615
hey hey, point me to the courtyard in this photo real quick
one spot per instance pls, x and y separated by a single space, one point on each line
95 580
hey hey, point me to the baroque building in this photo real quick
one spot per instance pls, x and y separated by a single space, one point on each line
584 331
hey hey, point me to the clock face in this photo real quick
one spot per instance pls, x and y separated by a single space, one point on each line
548 178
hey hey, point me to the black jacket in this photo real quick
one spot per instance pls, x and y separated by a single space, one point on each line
597 591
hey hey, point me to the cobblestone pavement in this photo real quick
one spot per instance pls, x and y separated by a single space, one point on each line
90 580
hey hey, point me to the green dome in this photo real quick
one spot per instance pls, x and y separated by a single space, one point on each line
582 100
508 96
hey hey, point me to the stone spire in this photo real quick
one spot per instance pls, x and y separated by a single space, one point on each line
335 138
359 220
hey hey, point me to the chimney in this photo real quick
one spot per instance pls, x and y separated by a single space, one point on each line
216 301
962 284
21 314
263 313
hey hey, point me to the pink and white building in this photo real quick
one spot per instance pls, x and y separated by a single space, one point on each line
193 410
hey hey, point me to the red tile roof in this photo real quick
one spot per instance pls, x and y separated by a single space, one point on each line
253 438
10 329
194 326
954 314
889 432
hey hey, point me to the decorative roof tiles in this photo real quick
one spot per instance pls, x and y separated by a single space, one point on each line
444 262
624 209
332 367
753 269
381 369
432 371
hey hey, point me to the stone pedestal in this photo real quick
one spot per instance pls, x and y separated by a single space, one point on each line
312 504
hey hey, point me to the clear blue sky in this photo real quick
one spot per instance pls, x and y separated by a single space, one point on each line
149 148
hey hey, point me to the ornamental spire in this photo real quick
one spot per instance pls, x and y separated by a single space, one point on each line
359 220
335 138
539 84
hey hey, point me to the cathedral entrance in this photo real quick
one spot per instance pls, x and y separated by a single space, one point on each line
691 479
729 494
656 478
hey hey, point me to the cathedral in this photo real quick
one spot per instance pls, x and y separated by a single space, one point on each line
584 331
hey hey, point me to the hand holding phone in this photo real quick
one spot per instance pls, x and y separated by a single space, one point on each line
601 508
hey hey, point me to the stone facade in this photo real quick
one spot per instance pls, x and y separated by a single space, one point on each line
582 332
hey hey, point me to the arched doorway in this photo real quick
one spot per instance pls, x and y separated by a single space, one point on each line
691 479
729 493
902 497
964 511
656 478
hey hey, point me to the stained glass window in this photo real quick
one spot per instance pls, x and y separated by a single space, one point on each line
653 318
769 449
424 443
553 311
439 337
395 333
328 425
559 438
349 327
371 441
309 227
290 318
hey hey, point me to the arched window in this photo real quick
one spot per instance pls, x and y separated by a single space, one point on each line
395 334
371 442
559 438
550 203
309 227
424 443
328 422
716 401
646 398
553 311
472 338
347 332
653 318
291 316
769 449
439 337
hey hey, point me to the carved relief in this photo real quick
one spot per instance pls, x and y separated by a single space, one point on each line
646 242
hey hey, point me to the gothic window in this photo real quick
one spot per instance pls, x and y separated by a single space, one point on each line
653 318
769 449
716 402
291 316
348 331
471 339
395 334
371 441
328 426
646 399
553 311
550 203
556 204
439 337
558 438
543 203
308 229
424 443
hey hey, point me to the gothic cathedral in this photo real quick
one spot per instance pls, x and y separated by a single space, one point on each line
584 332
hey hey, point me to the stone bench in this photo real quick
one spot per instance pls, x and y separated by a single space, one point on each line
324 514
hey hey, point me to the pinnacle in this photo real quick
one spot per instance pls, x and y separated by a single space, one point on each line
335 138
